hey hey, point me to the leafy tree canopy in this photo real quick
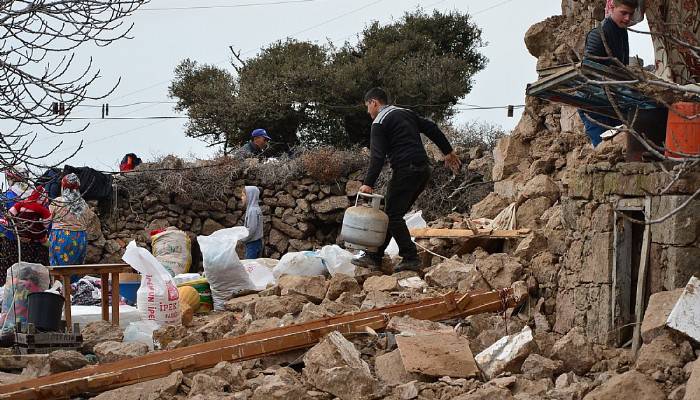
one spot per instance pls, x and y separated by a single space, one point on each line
303 92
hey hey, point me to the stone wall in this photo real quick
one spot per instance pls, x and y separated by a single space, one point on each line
298 215
568 193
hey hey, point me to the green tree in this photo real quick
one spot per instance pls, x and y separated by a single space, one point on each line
307 93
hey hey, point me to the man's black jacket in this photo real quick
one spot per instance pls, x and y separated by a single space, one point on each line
396 135
616 39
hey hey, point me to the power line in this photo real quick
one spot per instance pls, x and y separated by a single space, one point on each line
208 7
340 106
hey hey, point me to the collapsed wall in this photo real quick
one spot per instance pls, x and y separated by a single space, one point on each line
302 199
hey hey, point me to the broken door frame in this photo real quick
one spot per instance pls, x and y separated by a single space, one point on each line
622 269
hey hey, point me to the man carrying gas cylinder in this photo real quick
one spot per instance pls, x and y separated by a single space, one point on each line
395 135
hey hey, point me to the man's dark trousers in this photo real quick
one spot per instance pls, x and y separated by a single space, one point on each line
406 184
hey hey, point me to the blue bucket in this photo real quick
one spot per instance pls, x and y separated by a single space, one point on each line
128 291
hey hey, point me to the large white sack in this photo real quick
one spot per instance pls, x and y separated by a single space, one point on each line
304 263
172 248
226 275
259 273
414 220
157 297
337 260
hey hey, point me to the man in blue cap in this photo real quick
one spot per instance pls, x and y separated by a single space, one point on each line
257 144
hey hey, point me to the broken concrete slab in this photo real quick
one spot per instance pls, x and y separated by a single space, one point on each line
437 354
507 354
146 390
685 316
334 366
382 283
630 385
660 306
390 370
114 351
312 288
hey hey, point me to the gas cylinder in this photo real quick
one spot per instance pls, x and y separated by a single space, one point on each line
365 226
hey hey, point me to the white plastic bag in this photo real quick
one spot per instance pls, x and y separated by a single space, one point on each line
226 275
337 260
157 297
259 274
413 220
304 263
172 248
22 279
140 332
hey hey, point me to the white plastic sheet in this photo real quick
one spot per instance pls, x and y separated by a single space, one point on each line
157 298
140 332
304 263
337 260
226 275
414 220
260 274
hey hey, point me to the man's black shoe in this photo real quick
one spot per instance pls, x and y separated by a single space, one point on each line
368 261
408 264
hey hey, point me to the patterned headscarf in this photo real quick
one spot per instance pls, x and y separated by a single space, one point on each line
70 192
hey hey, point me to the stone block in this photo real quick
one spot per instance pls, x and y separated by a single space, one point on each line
390 370
334 366
681 229
312 288
657 312
630 385
437 354
575 351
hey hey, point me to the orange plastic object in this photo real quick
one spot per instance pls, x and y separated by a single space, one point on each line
682 133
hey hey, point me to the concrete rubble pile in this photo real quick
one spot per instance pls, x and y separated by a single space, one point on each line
479 357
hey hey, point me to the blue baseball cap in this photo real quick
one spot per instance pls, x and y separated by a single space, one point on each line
260 132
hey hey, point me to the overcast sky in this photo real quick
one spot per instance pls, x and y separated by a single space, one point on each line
162 38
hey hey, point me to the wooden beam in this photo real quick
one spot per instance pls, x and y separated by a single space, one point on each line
640 299
446 233
250 346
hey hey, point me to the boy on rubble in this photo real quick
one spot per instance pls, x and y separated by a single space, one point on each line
610 35
254 222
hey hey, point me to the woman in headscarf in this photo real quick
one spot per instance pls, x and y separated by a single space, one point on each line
68 237
29 219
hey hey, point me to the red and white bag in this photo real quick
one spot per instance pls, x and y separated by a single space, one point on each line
157 298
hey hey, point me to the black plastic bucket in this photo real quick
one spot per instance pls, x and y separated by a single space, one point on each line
44 310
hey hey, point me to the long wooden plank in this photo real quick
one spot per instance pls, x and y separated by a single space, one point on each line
420 233
254 345
642 280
